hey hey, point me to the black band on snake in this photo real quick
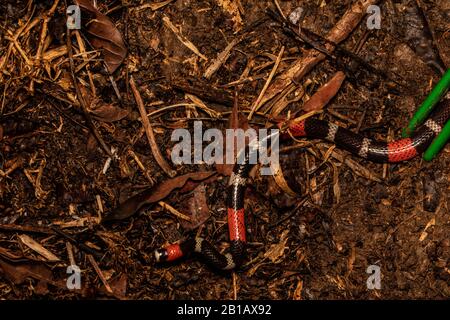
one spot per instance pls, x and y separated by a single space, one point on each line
396 151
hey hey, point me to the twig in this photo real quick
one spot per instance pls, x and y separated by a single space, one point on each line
174 211
149 131
33 229
47 17
183 39
38 248
234 286
221 58
82 246
69 248
205 91
100 273
311 58
81 98
258 103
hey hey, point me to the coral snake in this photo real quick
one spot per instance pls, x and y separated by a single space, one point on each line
395 151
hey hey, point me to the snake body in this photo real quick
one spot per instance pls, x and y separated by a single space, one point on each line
395 151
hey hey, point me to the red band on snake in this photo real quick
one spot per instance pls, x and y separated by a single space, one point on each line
396 151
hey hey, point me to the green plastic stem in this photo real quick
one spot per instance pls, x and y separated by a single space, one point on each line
438 143
426 107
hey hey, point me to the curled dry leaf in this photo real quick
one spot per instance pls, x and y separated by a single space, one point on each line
102 111
281 181
153 194
105 36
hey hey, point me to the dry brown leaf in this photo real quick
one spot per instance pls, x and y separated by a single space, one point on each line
105 36
236 121
101 110
154 194
192 185
198 207
119 285
13 257
108 112
17 273
325 93
276 251
281 181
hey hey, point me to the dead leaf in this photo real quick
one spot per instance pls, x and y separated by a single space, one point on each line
108 112
192 185
101 110
198 208
325 93
236 121
276 251
17 273
281 181
153 194
105 36
13 257
119 285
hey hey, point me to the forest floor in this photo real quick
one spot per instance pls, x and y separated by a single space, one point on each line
313 233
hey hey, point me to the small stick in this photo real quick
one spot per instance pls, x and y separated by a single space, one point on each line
100 206
141 166
82 246
234 286
33 229
81 98
47 17
149 131
86 59
221 58
38 248
182 39
100 273
174 211
342 117
69 248
258 103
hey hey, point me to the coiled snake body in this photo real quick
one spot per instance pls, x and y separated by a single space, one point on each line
395 151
